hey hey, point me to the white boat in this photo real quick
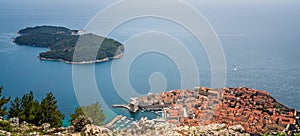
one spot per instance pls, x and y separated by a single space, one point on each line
123 118
127 121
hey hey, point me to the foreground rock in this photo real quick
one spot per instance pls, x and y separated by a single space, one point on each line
80 123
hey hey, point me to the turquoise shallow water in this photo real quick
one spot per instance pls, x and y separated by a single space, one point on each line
262 44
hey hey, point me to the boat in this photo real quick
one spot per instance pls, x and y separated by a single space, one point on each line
127 121
123 118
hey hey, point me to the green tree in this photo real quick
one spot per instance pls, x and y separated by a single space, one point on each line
93 111
50 113
3 101
15 108
30 109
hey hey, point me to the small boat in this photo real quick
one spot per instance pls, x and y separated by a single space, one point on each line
123 118
235 69
127 121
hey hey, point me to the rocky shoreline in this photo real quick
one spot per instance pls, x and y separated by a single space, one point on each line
83 62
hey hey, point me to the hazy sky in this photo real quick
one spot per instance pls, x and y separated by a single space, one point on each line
82 4
222 14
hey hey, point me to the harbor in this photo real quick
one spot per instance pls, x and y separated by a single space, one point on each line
204 106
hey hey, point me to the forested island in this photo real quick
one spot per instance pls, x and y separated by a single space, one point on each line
62 41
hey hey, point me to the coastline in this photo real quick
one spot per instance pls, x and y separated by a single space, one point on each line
83 62
228 106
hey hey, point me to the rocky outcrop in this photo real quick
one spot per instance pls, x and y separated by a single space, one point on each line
81 122
46 126
14 121
5 133
92 130
213 130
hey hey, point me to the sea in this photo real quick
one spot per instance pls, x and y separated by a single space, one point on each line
260 40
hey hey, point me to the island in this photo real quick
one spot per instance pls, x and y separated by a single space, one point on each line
63 41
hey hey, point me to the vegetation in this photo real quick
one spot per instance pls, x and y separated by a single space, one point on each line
62 41
47 30
50 112
32 111
5 125
3 101
35 113
15 108
92 111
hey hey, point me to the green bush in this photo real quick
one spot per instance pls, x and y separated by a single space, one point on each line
93 111
6 126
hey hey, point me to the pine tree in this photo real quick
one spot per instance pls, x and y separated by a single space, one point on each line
15 108
93 111
3 101
49 111
30 109
78 112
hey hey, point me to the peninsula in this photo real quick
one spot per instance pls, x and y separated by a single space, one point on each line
255 111
63 41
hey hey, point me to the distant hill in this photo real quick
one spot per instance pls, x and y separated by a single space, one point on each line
47 30
62 41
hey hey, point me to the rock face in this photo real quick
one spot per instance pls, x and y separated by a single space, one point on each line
149 128
237 128
146 127
14 121
92 130
2 132
70 129
81 122
46 126
213 130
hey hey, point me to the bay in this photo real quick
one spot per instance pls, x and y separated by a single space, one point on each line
262 44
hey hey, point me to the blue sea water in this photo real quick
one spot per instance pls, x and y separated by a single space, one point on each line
261 40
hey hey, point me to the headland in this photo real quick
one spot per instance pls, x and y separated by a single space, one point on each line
254 110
